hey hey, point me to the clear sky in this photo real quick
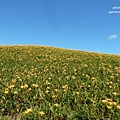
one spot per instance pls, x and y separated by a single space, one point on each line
90 25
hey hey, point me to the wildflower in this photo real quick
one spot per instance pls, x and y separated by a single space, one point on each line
64 71
107 83
29 89
118 106
116 74
15 92
92 78
109 107
114 93
64 90
34 97
27 111
110 82
104 101
109 99
75 70
41 113
6 89
53 96
81 86
50 78
25 86
67 77
56 90
47 91
73 77
11 86
65 86
6 92
112 103
47 83
13 81
56 105
77 93
20 80
83 74
85 65
110 86
87 75
21 86
48 88
88 85
111 77
34 85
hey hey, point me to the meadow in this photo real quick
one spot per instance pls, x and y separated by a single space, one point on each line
47 83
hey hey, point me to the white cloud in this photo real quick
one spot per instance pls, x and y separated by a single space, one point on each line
114 36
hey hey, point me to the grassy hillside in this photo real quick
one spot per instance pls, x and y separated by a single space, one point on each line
56 84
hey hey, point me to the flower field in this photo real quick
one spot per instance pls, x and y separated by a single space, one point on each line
47 83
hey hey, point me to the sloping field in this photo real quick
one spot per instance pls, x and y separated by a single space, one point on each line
47 83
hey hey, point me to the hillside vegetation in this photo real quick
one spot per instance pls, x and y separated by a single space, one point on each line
47 83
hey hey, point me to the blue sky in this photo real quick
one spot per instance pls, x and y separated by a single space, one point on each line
90 25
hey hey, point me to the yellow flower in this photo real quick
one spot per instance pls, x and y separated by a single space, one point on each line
73 77
75 70
111 77
85 65
88 85
47 83
56 90
21 86
20 80
50 78
118 106
107 83
109 107
34 85
104 101
11 86
67 77
64 90
47 91
48 88
53 96
109 99
92 78
41 113
6 92
56 105
77 93
15 92
81 86
27 111
110 82
112 103
87 75
24 86
110 86
29 89
114 93
83 74
13 81
65 86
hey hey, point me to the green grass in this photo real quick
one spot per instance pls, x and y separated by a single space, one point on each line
58 84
